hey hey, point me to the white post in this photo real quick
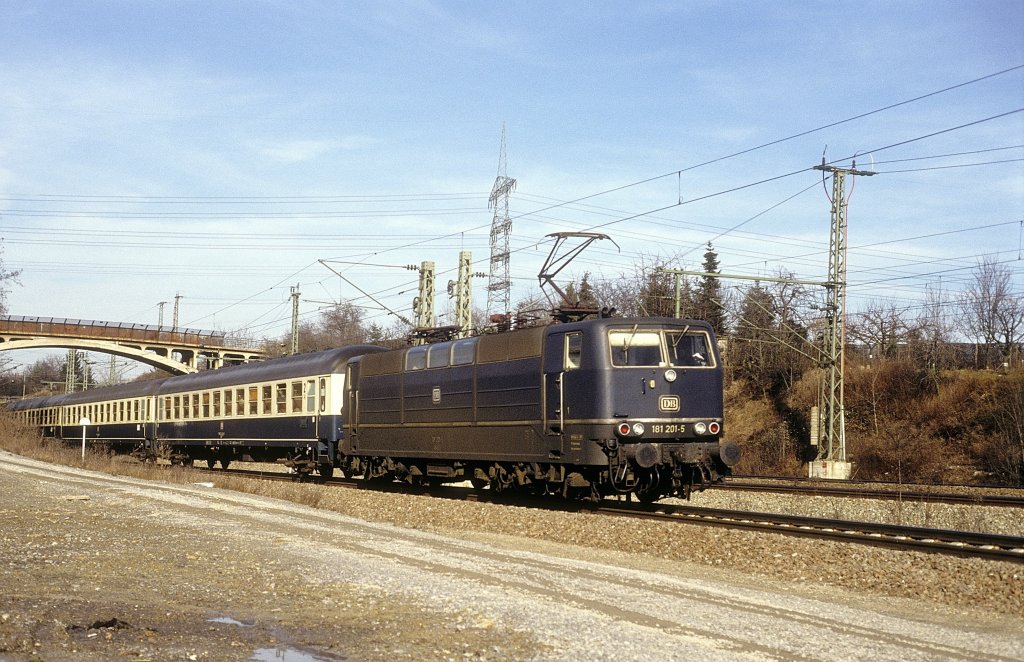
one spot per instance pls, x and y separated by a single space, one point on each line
84 422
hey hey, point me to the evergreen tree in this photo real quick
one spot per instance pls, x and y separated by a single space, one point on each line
587 297
657 295
708 298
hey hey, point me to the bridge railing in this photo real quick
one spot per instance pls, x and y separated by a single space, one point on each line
129 331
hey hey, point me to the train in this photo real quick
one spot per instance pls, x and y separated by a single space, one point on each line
584 409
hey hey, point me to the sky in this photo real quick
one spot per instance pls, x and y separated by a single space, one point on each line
219 151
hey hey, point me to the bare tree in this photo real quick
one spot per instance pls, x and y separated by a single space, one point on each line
934 331
883 327
7 278
991 313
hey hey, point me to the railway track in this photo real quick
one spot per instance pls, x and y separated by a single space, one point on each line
907 538
1003 500
958 543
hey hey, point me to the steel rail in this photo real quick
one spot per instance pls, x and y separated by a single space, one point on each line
945 541
1001 500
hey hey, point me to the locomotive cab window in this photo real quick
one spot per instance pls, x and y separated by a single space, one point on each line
689 349
632 347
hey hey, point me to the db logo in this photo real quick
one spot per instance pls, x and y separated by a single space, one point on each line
668 403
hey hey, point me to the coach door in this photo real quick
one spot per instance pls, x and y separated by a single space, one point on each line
561 360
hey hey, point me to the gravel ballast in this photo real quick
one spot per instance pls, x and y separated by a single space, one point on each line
169 571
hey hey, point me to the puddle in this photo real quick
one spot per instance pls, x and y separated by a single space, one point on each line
284 654
278 653
227 620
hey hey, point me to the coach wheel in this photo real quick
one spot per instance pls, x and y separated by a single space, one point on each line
210 462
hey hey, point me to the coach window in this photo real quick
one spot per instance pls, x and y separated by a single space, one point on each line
416 358
311 395
195 405
573 350
206 405
135 410
216 404
323 394
228 402
281 398
177 406
296 397
268 399
464 351
254 400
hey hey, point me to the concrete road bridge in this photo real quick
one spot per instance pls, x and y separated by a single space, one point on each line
174 349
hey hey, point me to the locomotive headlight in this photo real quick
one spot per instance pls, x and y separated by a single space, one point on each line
639 429
700 428
670 375
714 428
624 429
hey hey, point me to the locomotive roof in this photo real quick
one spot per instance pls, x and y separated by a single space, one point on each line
288 367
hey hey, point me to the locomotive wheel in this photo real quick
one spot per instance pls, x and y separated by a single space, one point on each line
479 483
649 487
224 462
210 462
326 470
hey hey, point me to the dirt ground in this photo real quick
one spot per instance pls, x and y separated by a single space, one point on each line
82 579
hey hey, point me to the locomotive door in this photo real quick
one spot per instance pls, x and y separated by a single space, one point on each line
562 355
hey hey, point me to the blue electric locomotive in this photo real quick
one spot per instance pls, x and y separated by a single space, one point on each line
588 408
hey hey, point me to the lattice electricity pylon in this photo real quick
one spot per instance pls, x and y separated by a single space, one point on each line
462 290
832 423
499 284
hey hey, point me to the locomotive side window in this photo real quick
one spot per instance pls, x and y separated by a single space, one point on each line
416 358
437 355
689 349
631 347
323 394
464 351
573 350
